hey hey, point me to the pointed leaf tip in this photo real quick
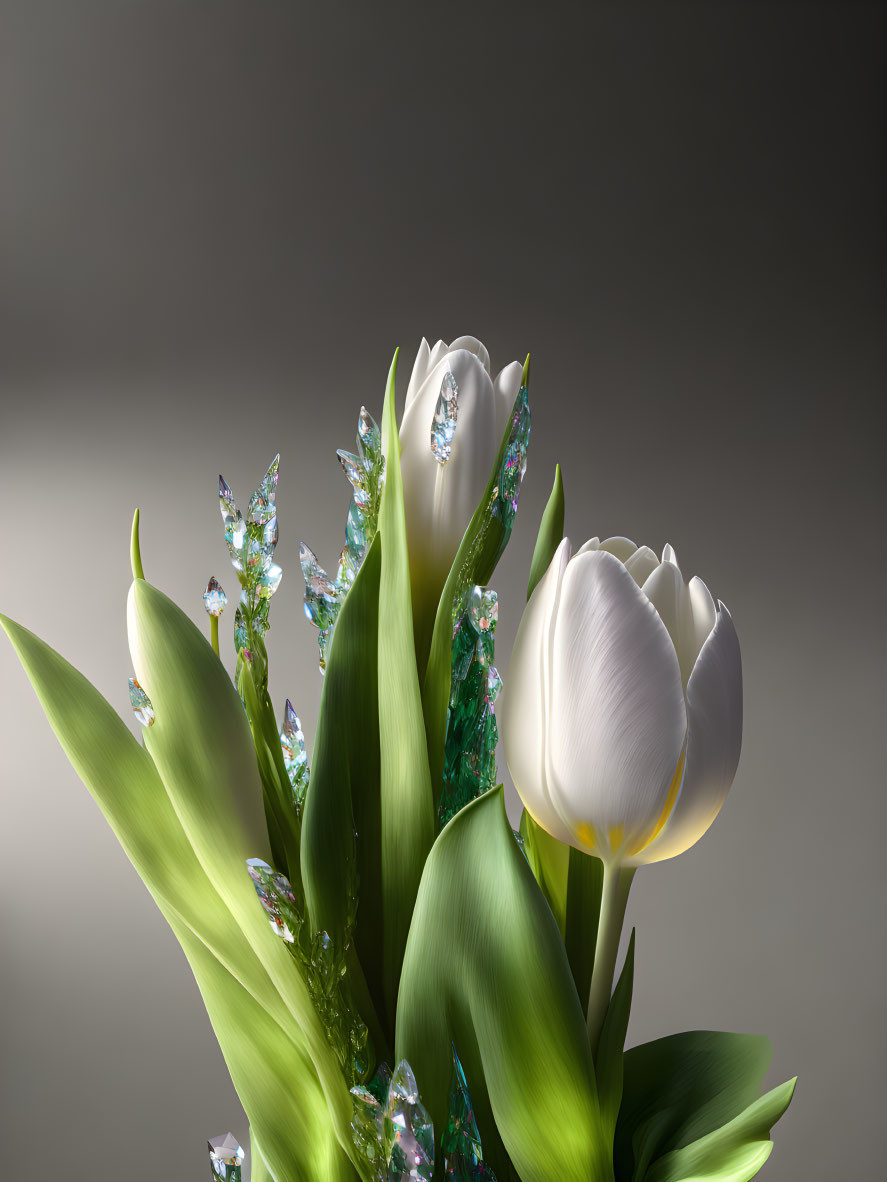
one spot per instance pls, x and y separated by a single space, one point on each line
135 553
525 376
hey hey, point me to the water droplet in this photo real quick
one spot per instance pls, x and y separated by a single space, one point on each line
141 703
443 424
214 598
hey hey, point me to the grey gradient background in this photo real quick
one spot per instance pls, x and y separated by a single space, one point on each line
218 219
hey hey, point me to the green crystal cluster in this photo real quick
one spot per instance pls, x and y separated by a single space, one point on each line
392 1128
364 469
472 733
251 543
464 1160
323 965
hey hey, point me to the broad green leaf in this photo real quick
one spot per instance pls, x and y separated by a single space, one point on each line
733 1153
407 812
485 970
611 1046
551 532
273 1076
202 747
550 862
585 884
343 796
680 1088
475 562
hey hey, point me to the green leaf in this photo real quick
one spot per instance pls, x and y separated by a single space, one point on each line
680 1088
551 532
343 795
585 885
475 562
486 971
273 1076
611 1046
550 862
407 811
203 750
733 1153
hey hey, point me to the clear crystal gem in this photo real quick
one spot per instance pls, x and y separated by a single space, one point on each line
483 609
276 896
225 1158
409 1132
369 439
443 424
141 703
322 596
235 526
214 598
261 503
295 754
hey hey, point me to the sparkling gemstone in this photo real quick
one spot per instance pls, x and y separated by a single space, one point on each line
348 568
514 461
269 581
276 896
355 469
295 754
366 1129
225 1157
261 503
141 703
235 526
355 530
322 596
409 1132
494 683
483 609
241 633
214 598
369 439
443 424
461 1135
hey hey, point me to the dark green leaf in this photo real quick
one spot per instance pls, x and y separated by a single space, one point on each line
551 532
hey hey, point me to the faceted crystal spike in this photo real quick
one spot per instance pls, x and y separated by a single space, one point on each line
225 1158
354 468
261 503
295 754
461 1135
214 598
514 462
235 526
443 424
483 609
241 634
269 581
141 703
322 596
409 1132
378 1085
369 439
366 1130
348 568
276 896
494 684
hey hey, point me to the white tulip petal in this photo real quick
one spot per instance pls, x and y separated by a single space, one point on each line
641 564
714 740
523 714
687 611
420 369
438 352
590 546
473 345
621 548
668 555
617 719
506 388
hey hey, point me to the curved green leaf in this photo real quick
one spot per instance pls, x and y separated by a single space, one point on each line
202 747
343 795
550 862
680 1088
551 532
733 1153
407 812
485 970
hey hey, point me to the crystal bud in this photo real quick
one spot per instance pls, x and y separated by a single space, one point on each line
276 896
409 1132
261 503
443 424
295 753
214 598
225 1158
141 703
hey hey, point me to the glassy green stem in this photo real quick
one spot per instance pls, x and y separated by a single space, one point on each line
614 898
214 634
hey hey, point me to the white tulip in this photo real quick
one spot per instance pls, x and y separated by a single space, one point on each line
622 716
442 491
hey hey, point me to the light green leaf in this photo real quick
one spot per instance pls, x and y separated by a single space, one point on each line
343 795
551 532
407 813
486 970
273 1076
202 748
609 1060
550 862
733 1153
680 1088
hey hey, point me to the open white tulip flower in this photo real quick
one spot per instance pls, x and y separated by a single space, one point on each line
622 716
453 422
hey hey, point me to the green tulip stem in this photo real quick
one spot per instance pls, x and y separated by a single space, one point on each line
214 634
614 898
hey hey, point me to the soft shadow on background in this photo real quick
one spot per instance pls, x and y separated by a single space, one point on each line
217 222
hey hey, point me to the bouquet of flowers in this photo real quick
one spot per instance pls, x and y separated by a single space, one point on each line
402 985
